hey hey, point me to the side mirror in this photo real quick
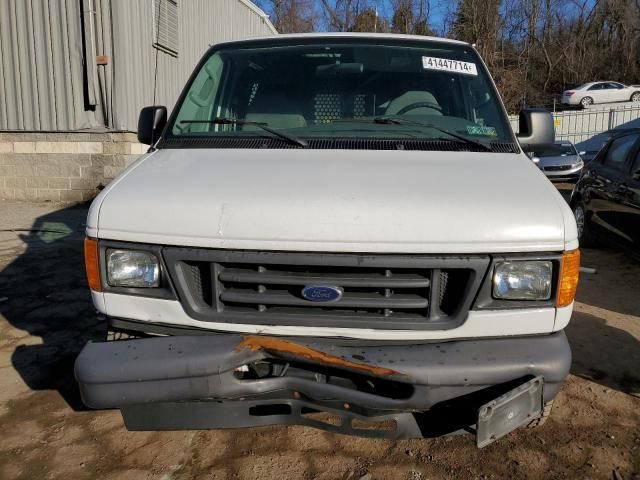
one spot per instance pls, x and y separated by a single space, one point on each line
537 130
151 122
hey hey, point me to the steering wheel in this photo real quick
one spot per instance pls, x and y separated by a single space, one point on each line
414 105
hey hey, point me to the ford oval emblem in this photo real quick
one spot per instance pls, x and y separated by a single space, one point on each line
322 293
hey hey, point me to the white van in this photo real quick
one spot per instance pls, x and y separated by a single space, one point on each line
339 231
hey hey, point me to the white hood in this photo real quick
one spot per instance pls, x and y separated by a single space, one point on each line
335 200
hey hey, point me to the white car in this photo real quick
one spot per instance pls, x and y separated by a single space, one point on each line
342 224
600 92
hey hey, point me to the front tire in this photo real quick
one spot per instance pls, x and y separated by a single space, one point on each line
635 97
586 101
585 236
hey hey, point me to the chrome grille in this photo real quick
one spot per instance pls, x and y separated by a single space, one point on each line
254 287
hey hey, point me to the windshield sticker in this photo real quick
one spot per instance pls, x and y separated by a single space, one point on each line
448 65
482 131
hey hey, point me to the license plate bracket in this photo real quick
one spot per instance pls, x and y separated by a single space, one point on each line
509 411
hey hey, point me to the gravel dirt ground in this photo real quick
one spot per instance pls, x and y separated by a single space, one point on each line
46 316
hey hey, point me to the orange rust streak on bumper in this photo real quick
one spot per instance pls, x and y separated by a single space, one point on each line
271 344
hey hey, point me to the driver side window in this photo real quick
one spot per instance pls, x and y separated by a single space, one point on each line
618 152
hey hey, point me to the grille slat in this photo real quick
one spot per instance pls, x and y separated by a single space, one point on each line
344 280
349 300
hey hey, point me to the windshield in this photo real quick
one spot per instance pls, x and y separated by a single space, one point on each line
557 151
341 89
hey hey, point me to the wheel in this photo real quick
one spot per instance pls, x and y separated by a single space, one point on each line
546 413
586 101
585 236
635 97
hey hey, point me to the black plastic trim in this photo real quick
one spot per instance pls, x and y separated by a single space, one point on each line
164 291
476 264
338 143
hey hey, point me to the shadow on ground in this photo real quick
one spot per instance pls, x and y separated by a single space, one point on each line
46 295
604 354
604 332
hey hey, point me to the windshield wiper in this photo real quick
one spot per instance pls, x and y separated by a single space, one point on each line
402 121
232 121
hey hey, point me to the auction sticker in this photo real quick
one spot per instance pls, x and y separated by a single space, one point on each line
448 65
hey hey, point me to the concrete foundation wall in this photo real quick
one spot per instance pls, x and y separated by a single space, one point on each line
62 167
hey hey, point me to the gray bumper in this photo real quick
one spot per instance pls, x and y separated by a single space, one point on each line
189 382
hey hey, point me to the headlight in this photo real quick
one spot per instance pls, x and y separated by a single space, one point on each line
132 268
522 280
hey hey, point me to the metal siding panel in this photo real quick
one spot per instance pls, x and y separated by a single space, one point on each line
30 93
62 84
45 80
133 60
7 86
15 57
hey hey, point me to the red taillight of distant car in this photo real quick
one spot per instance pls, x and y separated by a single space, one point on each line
568 94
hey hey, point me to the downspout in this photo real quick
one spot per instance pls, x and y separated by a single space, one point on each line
88 22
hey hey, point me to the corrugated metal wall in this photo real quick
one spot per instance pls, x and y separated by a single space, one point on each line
41 72
43 82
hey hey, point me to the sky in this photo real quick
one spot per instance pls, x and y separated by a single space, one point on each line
439 10
439 14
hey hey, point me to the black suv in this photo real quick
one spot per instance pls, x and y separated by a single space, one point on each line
606 199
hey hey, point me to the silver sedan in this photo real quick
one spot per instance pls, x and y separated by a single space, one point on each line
561 163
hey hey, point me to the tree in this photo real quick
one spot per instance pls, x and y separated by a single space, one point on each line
366 21
410 17
292 16
478 22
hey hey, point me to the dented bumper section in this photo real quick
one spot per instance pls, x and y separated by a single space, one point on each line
393 391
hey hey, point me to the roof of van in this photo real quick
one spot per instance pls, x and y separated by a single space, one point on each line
336 35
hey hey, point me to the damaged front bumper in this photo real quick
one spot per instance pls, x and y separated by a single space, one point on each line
393 391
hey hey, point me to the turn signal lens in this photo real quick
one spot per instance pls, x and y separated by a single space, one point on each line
569 273
92 264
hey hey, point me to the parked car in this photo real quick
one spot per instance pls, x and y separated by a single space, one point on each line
560 163
590 147
324 226
606 199
600 92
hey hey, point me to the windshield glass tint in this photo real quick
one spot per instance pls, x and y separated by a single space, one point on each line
336 89
557 151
